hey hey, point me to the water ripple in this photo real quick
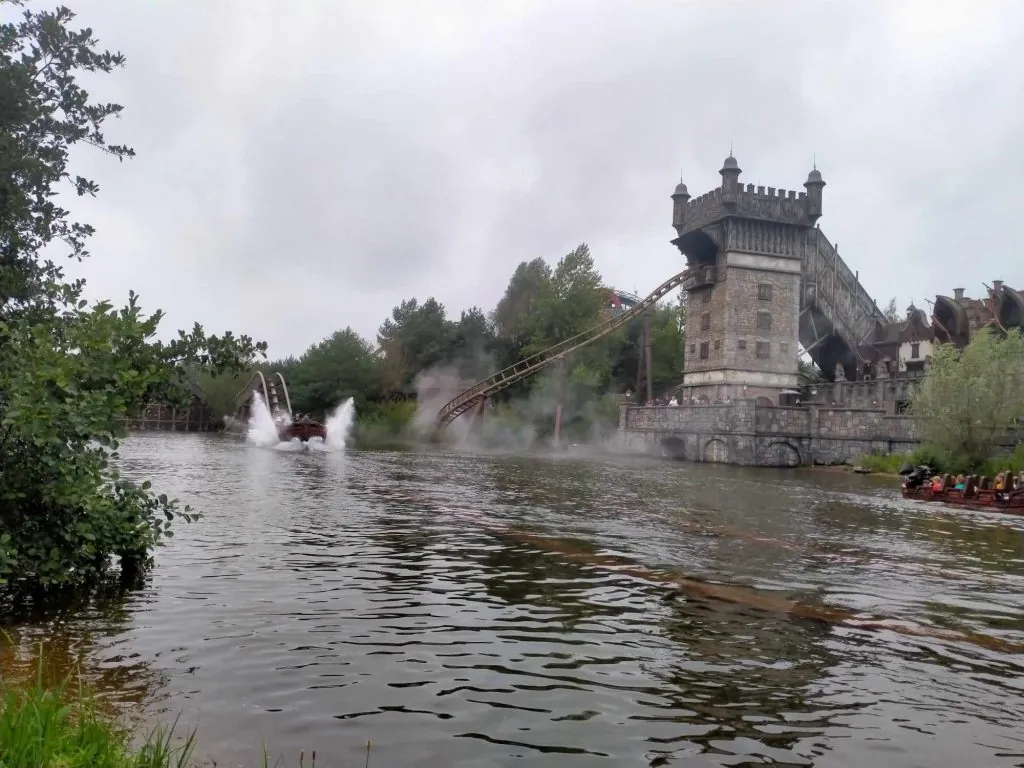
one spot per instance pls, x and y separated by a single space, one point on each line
466 610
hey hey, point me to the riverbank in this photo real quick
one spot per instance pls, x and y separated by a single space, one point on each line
67 727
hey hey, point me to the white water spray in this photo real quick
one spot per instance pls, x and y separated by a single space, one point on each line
262 430
339 425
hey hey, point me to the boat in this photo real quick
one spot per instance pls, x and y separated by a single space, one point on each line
977 493
303 429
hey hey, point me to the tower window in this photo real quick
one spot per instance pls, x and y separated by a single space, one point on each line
784 347
706 297
718 343
915 350
764 321
741 344
693 349
763 350
764 291
705 321
703 350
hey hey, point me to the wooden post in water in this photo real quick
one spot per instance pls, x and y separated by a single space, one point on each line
559 399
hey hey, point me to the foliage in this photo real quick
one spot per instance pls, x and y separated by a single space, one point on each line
70 374
385 424
892 314
890 463
339 367
971 398
219 392
65 727
423 351
809 372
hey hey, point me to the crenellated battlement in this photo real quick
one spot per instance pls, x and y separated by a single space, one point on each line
754 202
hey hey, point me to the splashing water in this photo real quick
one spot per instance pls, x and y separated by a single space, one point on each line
262 429
339 425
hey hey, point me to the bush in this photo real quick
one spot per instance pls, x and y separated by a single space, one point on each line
971 398
384 424
70 374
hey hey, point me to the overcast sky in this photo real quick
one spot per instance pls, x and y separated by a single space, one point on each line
303 166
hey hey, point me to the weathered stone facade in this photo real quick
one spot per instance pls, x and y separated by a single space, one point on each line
890 395
762 281
751 434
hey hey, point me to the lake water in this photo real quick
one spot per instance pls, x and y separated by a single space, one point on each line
461 610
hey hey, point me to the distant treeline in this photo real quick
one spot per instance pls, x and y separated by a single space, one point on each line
420 348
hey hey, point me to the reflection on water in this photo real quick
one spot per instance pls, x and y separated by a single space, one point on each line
463 610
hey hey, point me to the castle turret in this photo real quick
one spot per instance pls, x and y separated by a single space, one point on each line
730 180
679 200
814 185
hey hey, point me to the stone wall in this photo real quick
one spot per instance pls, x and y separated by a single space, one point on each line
877 394
743 432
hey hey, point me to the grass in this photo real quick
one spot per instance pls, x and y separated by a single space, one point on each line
65 727
891 463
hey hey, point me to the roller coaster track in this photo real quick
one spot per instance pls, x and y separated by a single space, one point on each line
480 391
272 389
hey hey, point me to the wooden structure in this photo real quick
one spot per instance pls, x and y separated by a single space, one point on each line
195 417
271 388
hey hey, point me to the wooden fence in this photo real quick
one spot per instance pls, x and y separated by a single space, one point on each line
195 417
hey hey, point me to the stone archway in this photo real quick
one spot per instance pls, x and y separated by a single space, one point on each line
715 451
673 447
764 402
780 454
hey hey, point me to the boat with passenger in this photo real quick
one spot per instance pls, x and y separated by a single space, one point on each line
1002 493
303 428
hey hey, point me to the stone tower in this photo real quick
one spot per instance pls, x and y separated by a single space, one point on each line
744 249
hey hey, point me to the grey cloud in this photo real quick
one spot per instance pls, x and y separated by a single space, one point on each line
304 169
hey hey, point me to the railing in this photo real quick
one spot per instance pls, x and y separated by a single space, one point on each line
845 302
505 378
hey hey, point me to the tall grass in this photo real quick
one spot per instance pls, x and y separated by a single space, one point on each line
66 727
63 728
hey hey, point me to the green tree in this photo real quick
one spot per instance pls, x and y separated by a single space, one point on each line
570 302
892 315
472 344
328 373
70 374
515 315
415 338
970 398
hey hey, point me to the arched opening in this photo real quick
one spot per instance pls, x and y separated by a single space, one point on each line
781 454
949 321
673 447
764 402
1010 309
715 452
700 250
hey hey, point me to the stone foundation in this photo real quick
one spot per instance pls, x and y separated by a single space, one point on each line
746 433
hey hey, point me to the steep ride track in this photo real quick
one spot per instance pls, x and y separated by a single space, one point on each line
480 391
